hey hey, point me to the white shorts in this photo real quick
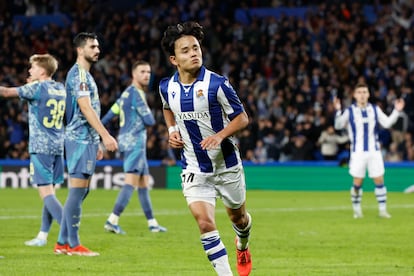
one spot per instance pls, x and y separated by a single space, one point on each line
360 162
230 186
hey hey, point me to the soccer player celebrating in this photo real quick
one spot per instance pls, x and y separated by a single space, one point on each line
362 119
46 99
202 112
134 116
82 134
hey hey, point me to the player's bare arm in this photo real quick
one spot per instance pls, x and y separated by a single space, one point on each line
7 92
86 108
238 123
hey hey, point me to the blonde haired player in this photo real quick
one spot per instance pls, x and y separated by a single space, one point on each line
362 119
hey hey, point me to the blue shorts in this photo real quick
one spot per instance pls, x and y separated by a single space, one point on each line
135 161
80 159
46 169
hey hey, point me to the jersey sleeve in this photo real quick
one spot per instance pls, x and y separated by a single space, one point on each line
144 111
79 83
341 119
163 93
229 100
29 91
387 121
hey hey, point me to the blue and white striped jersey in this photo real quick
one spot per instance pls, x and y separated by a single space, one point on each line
134 116
46 101
362 125
80 83
201 110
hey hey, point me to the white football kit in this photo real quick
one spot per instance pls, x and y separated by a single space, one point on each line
202 109
362 125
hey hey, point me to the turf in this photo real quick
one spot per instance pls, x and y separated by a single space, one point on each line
294 233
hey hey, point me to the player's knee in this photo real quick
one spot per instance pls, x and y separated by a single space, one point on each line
206 225
241 220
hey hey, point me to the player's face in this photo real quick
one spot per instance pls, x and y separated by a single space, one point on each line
142 74
90 51
35 72
188 56
361 95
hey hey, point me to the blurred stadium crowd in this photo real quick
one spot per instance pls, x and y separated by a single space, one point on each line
286 69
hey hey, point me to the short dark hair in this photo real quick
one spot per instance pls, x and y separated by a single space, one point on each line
361 84
174 32
81 38
138 63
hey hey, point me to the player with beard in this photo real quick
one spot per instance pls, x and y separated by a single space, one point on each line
82 136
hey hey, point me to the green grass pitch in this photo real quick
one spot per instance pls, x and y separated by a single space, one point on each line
294 233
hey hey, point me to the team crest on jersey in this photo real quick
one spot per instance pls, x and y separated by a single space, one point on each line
200 93
83 86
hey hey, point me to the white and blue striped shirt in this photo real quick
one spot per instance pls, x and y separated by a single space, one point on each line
202 109
362 124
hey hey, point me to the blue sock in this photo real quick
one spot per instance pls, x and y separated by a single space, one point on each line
144 199
63 232
46 220
123 199
72 214
53 207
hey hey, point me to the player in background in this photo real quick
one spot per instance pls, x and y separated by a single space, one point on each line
362 119
134 116
203 112
82 134
46 99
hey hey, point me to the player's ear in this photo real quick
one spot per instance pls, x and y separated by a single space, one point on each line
173 60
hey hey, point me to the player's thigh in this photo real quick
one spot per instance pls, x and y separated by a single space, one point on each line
358 165
376 165
80 158
231 187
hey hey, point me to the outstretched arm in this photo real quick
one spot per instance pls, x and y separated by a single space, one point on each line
8 92
388 121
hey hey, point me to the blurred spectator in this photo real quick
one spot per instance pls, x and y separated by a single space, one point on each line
393 155
285 68
299 149
329 142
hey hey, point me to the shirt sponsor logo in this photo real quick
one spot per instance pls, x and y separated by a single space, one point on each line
192 115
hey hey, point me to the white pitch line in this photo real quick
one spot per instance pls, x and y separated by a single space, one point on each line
218 210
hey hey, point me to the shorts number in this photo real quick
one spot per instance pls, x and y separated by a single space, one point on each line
57 111
188 178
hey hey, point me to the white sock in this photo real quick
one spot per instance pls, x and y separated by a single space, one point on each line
216 253
42 235
152 222
113 219
243 235
381 195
